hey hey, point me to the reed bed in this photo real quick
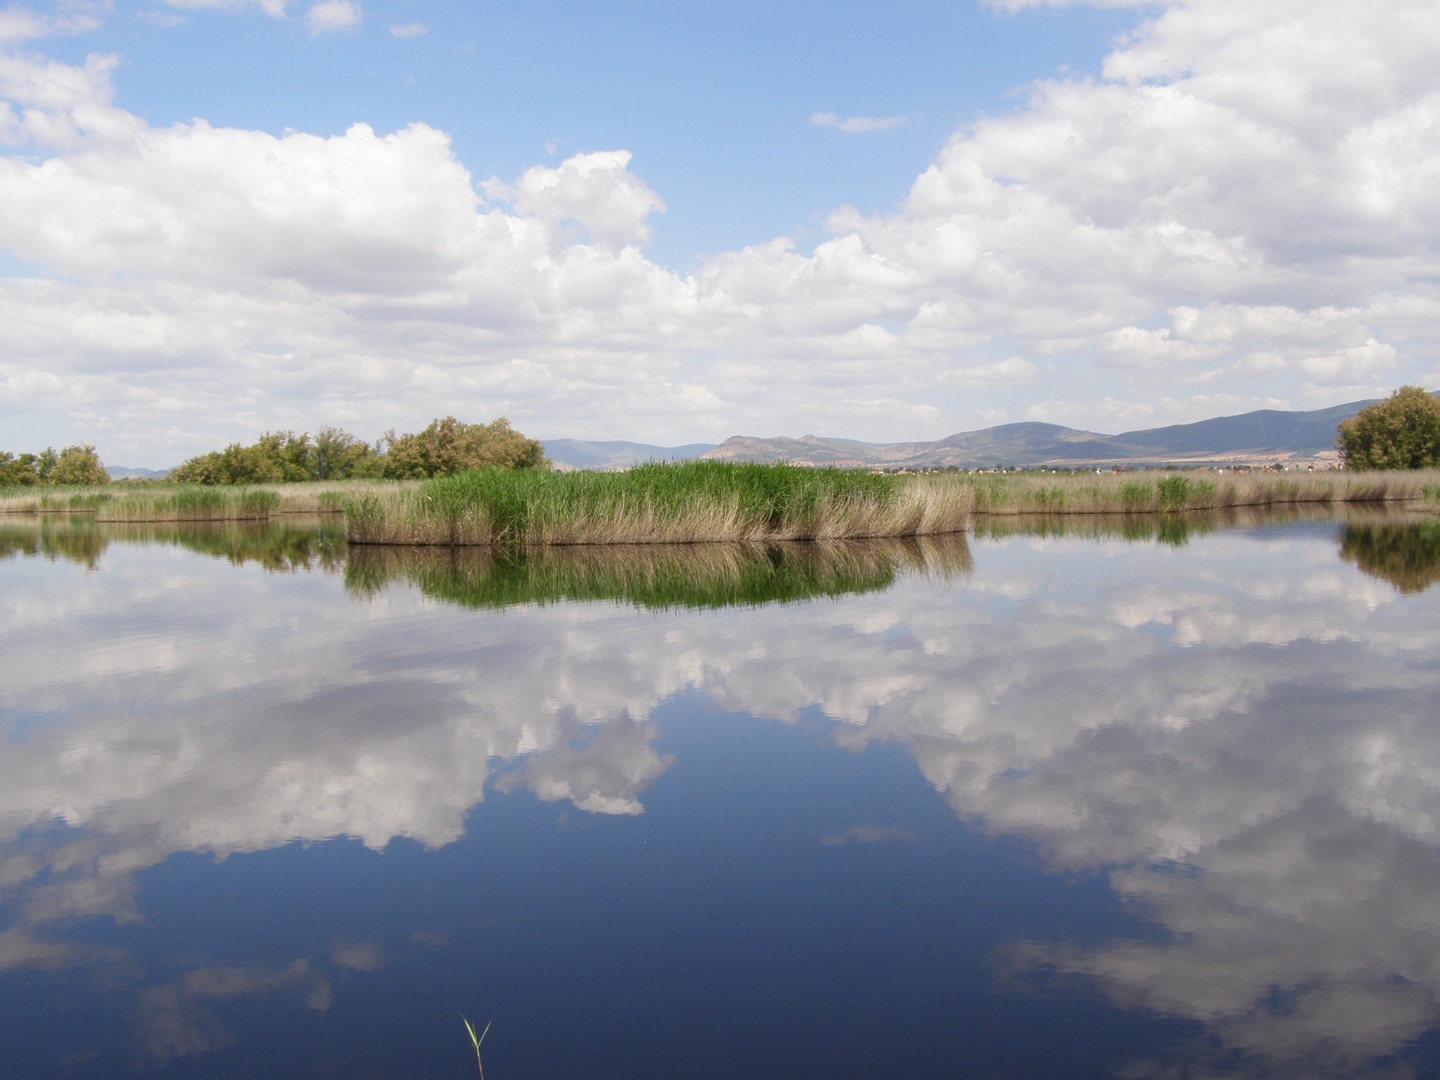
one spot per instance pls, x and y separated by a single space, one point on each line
699 502
189 504
656 576
1165 492
163 501
690 502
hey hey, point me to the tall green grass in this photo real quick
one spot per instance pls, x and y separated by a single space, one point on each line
714 501
1038 492
698 501
190 504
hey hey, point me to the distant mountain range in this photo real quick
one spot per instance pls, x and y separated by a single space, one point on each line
1267 434
123 472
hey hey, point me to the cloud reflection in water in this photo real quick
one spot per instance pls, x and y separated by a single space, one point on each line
1239 730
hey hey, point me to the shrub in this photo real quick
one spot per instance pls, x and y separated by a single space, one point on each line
74 465
18 471
1401 432
450 446
277 457
444 448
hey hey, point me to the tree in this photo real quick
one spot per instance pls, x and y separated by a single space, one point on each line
77 465
1401 432
18 471
445 447
449 446
279 457
73 465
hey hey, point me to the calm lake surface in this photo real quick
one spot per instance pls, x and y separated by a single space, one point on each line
1115 800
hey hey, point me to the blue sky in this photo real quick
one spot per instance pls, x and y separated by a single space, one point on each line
713 99
674 223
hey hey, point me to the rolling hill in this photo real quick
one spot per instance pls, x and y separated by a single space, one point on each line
1266 434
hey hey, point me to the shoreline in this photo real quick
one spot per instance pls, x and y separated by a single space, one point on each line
679 504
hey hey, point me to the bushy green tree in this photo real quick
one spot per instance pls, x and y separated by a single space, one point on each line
445 447
73 465
338 455
18 471
1401 432
449 446
279 457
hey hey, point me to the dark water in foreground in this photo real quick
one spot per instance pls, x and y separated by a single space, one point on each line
1112 802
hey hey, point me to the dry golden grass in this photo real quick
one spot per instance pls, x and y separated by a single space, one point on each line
139 501
1200 489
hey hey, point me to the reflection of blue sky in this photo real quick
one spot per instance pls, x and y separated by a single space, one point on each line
1240 732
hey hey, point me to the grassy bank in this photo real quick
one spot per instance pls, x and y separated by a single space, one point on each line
710 501
655 576
694 502
159 501
690 502
1168 492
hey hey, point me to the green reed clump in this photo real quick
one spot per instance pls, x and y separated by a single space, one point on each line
694 501
190 504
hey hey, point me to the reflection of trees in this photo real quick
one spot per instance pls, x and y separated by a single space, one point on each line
1406 555
75 539
277 546
655 575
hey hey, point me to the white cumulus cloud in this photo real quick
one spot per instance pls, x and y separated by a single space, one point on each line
855 123
330 15
1243 211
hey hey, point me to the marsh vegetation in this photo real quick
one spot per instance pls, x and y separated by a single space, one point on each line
703 502
699 502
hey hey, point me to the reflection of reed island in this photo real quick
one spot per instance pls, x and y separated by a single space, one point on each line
1406 555
656 576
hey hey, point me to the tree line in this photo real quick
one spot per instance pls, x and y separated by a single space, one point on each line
73 465
444 448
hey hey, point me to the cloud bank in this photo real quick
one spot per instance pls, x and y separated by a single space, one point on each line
1241 211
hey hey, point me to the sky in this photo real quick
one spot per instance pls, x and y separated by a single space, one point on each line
676 223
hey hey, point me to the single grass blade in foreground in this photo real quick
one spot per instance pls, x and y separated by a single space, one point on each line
476 1042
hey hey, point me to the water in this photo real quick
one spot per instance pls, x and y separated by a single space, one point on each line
1126 800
